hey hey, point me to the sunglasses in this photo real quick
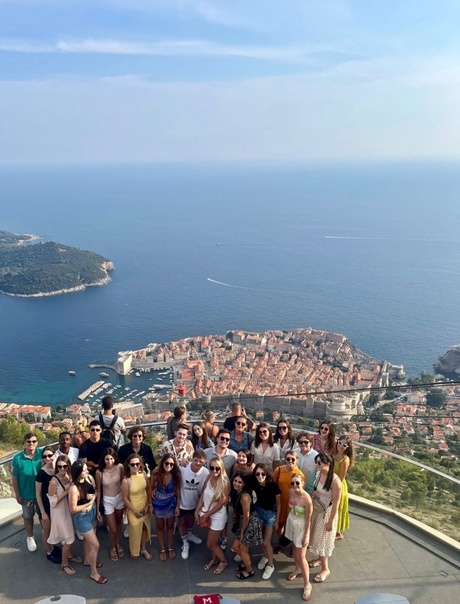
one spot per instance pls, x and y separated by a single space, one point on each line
304 442
138 436
295 483
342 444
224 438
95 429
135 464
62 466
169 463
260 474
31 442
282 427
240 423
48 456
323 429
293 459
321 463
263 431
214 468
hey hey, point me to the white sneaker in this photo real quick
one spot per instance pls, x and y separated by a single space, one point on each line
31 545
126 532
194 539
237 558
79 535
268 572
185 550
262 563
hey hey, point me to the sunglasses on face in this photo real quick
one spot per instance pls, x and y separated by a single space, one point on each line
240 423
95 429
48 456
214 468
291 459
321 463
324 429
341 443
261 474
224 438
295 483
31 442
304 442
62 466
263 431
138 436
135 464
169 464
282 427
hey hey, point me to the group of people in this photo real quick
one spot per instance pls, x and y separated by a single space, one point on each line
273 481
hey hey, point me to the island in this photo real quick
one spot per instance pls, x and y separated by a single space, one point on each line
449 363
32 268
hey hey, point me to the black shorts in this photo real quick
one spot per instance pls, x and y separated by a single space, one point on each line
185 512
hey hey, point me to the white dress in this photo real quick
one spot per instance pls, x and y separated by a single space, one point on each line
322 542
219 519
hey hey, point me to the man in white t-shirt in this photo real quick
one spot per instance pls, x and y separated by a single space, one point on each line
106 419
193 477
65 441
306 463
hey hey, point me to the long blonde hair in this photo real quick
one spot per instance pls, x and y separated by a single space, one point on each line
222 480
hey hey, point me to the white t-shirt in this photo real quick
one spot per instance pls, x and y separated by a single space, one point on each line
307 465
72 455
191 486
117 427
268 457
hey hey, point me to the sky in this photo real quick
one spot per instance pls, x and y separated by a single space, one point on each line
110 81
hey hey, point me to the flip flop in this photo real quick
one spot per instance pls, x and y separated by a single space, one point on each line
98 565
100 580
293 576
68 569
75 559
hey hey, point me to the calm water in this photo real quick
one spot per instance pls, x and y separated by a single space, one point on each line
369 251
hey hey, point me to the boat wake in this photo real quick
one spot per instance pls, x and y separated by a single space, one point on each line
228 284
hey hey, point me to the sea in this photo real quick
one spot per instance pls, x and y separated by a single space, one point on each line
369 250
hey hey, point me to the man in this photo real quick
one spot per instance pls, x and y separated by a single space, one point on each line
137 435
110 420
237 411
222 451
92 449
239 438
65 448
306 463
179 447
193 477
25 466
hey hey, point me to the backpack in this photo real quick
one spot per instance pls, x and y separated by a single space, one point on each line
108 432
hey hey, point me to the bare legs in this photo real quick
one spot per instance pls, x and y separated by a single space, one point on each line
267 548
114 522
242 550
160 524
46 527
91 548
212 543
324 572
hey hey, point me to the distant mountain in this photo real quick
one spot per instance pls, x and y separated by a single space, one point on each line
30 269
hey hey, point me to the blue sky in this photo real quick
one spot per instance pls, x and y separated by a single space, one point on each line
100 81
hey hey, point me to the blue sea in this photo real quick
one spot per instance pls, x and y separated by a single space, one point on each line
368 250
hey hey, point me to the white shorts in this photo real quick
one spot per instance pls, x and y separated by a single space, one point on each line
219 519
112 503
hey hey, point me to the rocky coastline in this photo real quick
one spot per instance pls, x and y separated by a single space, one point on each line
449 363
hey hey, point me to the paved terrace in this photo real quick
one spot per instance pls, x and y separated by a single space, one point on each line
378 554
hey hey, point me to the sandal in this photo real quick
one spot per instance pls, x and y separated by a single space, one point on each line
98 565
113 554
243 577
221 567
120 551
147 555
75 559
172 554
306 595
292 576
163 555
68 569
101 580
209 565
314 563
321 577
241 567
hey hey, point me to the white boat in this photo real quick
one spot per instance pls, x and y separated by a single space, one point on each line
72 372
103 374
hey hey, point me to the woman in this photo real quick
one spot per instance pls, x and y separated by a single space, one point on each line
298 530
326 500
267 505
200 438
82 503
282 476
62 529
108 482
164 493
343 461
244 462
246 525
134 490
209 417
264 449
42 483
324 441
284 438
211 512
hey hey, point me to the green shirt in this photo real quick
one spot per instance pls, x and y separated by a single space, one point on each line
25 469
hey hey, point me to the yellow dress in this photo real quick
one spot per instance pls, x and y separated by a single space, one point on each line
138 499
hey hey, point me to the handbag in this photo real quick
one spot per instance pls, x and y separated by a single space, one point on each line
206 523
209 599
318 505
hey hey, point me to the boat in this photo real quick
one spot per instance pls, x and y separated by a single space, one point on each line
137 374
103 374
72 372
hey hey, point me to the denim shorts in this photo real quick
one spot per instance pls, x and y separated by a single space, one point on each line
83 521
29 507
267 517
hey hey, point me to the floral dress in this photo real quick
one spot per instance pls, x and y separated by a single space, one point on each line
321 541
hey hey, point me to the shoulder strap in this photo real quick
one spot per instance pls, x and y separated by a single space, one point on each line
113 422
57 478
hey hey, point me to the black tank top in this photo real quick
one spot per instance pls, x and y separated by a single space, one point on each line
86 488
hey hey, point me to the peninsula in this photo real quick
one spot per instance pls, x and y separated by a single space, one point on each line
30 268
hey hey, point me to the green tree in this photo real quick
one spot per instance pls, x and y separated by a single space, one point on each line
436 398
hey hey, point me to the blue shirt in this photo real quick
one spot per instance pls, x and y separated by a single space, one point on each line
244 444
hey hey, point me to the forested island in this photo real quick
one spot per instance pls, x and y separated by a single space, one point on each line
34 269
